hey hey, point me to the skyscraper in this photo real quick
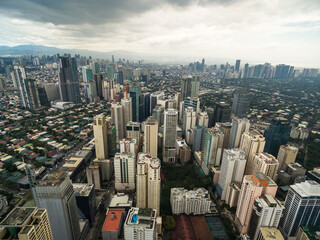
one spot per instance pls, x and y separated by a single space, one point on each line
158 114
232 169
302 206
170 135
154 97
212 148
202 119
222 113
124 171
287 154
117 117
190 87
252 142
100 136
239 126
198 138
148 182
267 164
150 141
189 119
68 80
133 131
240 105
137 101
276 135
253 186
55 193
127 112
237 67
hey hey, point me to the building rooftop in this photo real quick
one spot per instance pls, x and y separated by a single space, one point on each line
120 200
17 217
313 233
113 220
52 179
307 188
271 233
82 189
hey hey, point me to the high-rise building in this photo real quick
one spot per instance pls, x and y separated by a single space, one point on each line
202 119
55 193
222 113
170 135
140 224
154 97
239 126
302 206
232 169
117 117
190 86
269 233
148 182
68 80
253 186
226 129
127 112
287 154
276 135
150 140
52 91
93 175
198 138
26 223
267 212
267 164
133 131
211 122
158 114
237 67
100 136
129 146
240 105
212 148
137 101
124 171
189 119
33 99
252 142
147 112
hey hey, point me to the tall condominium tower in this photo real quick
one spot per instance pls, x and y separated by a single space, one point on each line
129 146
251 143
212 147
137 101
154 97
100 136
232 169
222 113
150 141
127 112
267 164
190 86
276 135
55 193
287 154
117 118
124 171
239 126
27 223
158 114
302 206
189 119
133 131
253 186
170 135
240 105
202 119
68 80
237 66
267 212
148 182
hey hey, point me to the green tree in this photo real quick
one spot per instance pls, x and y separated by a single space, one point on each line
170 223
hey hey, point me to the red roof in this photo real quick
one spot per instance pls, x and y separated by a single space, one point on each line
184 229
112 224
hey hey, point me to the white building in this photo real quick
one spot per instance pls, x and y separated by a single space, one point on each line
267 164
117 119
195 201
129 146
124 171
140 224
239 126
150 140
189 119
202 119
127 112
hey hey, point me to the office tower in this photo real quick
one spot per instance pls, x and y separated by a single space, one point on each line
266 163
212 148
190 86
147 112
117 117
282 71
267 212
222 113
170 135
94 176
269 233
196 201
287 154
98 81
301 208
276 135
202 119
112 137
137 101
127 112
245 71
140 224
253 186
232 169
43 97
150 140
211 122
252 142
177 99
154 97
240 105
18 77
129 146
189 119
55 193
226 129
148 182
105 168
87 74
52 91
171 103
158 114
198 138
239 126
68 80
133 131
86 201
124 171
237 67
26 223
100 136
191 102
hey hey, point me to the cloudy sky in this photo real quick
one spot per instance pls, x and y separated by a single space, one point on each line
276 31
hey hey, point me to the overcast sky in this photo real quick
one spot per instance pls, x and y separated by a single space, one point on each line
276 31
